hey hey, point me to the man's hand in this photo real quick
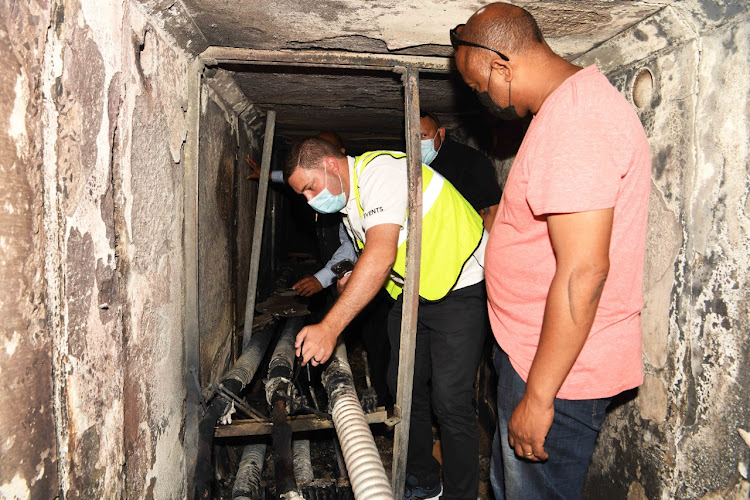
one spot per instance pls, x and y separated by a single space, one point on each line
528 428
341 283
581 244
315 343
254 168
309 285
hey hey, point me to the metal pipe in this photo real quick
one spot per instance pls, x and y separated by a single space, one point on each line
303 470
366 472
260 214
281 436
282 362
252 354
343 475
247 482
279 391
408 337
324 58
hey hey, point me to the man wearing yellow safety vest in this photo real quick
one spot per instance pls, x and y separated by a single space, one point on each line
371 191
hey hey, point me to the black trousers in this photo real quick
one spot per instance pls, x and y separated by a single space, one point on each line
450 335
371 323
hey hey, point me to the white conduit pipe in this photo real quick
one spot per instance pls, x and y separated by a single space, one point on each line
303 471
366 472
247 482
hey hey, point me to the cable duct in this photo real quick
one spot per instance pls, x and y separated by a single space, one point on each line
302 464
280 392
247 482
233 382
366 473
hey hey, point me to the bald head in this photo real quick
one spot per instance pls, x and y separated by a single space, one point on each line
510 29
525 68
334 139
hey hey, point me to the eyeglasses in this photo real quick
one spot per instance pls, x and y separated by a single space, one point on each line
456 41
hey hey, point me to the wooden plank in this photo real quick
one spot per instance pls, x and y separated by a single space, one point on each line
325 58
190 309
260 215
299 423
408 341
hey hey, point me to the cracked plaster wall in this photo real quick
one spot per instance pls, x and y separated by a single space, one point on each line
27 433
676 437
91 246
225 219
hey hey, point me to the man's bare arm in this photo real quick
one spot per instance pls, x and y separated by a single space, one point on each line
369 274
581 245
488 216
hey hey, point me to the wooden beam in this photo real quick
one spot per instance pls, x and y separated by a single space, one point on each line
260 215
299 423
213 56
191 337
408 340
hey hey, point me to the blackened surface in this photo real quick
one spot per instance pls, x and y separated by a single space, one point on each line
29 455
217 152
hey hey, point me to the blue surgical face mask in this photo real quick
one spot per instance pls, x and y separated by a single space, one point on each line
428 150
327 203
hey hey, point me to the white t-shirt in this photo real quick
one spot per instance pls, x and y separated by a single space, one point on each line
383 191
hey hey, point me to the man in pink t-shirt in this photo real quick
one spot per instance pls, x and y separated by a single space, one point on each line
564 262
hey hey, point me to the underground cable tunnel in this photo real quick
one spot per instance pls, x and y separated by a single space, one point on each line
277 412
145 278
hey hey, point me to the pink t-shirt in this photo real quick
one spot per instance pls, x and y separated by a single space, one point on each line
584 150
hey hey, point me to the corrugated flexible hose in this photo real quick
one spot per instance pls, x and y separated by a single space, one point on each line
366 473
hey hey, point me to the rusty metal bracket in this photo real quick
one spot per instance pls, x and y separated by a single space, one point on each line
394 417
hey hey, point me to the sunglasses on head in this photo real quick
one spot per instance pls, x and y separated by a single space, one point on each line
456 41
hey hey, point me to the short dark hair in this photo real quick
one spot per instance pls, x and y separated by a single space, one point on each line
513 32
432 117
308 154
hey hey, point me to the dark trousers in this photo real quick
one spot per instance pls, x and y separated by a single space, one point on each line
372 323
450 334
570 444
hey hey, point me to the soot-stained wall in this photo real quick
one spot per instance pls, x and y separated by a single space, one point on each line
216 168
27 432
92 361
678 435
229 130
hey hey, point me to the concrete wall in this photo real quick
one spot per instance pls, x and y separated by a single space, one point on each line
229 132
215 227
27 433
92 130
677 436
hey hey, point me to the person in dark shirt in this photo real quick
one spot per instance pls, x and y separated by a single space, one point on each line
466 168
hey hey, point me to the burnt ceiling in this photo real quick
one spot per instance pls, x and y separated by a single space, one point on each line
368 106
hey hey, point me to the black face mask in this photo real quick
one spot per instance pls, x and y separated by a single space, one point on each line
507 113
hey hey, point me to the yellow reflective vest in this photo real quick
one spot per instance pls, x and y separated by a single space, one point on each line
451 232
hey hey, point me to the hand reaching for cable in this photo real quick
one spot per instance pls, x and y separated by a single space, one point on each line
315 343
309 285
